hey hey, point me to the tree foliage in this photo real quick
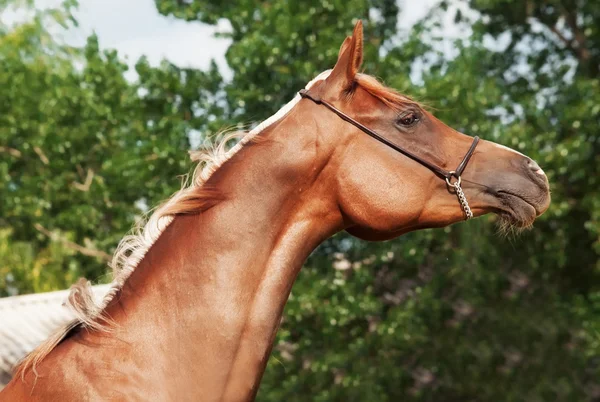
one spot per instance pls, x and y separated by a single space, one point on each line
84 151
459 314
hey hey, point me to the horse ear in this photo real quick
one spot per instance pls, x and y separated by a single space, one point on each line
350 58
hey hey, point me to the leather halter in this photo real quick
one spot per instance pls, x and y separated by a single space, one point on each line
442 173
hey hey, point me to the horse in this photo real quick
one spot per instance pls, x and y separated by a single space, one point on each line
199 291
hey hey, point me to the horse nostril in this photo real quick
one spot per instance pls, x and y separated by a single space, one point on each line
534 166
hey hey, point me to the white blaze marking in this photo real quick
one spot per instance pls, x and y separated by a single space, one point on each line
508 149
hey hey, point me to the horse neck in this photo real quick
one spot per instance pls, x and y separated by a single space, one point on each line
211 290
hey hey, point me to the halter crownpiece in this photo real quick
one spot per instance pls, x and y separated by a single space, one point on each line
445 174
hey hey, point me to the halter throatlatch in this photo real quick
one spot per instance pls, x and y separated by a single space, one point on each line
442 173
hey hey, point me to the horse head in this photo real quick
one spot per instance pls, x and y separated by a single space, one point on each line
408 179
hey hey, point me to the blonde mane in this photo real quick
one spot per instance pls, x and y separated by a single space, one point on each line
194 197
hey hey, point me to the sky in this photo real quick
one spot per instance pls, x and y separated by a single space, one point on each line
135 28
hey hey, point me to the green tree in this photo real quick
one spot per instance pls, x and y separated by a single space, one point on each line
459 314
84 151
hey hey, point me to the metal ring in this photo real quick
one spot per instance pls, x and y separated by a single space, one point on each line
457 183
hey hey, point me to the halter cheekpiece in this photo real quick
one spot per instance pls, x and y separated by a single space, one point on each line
448 175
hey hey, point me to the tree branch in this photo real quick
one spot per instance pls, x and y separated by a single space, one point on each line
568 43
41 155
85 186
582 52
90 252
12 151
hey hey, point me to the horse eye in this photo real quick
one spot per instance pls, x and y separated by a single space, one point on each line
408 119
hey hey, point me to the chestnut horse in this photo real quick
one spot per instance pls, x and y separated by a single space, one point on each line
199 292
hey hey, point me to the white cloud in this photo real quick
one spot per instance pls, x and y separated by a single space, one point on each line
411 11
135 28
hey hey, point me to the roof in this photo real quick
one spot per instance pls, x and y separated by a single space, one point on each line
28 320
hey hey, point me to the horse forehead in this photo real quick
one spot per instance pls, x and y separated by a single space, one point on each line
508 149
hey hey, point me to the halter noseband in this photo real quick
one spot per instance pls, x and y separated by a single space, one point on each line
442 173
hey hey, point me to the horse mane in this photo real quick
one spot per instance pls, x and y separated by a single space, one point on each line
390 97
194 197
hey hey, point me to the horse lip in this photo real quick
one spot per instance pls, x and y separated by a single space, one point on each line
537 209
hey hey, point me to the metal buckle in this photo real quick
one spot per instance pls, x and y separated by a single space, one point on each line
460 194
451 174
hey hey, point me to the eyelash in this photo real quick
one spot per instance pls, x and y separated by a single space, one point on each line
406 121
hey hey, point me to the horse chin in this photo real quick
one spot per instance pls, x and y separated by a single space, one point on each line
517 214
